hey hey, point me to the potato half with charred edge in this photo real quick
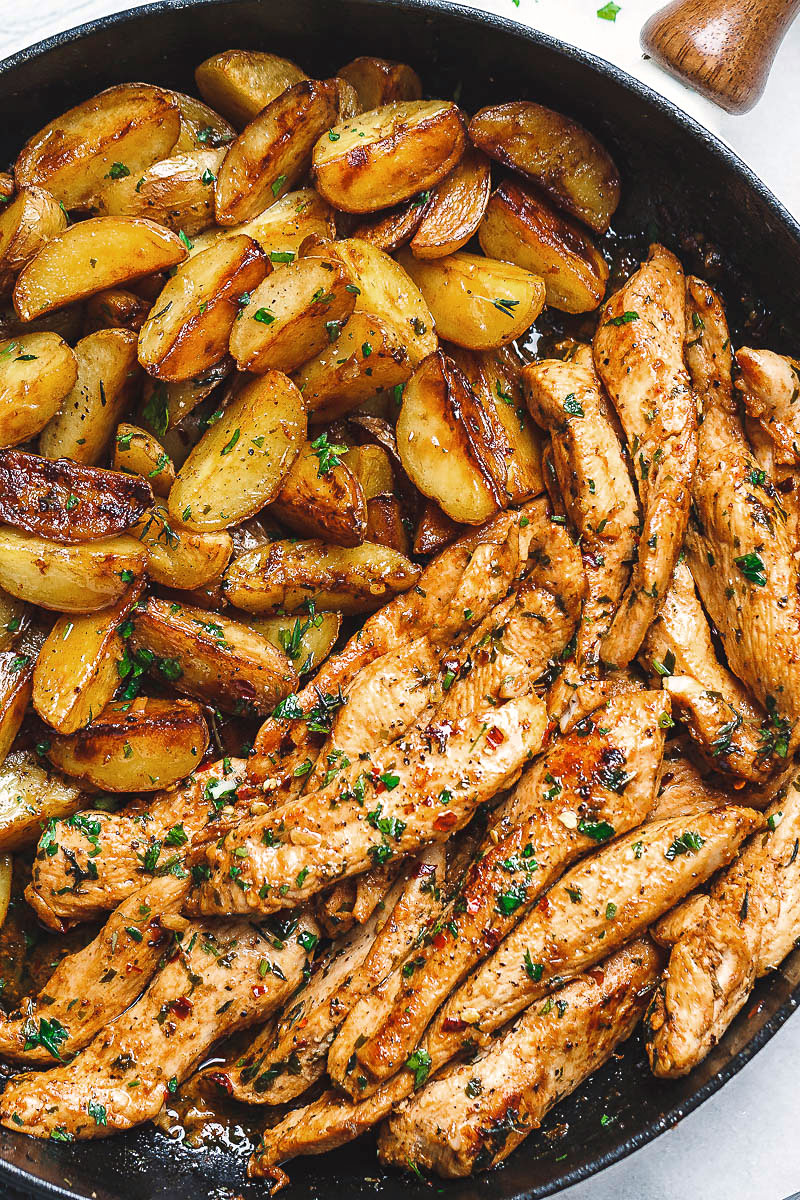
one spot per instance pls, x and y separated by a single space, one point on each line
306 640
166 403
138 453
388 154
287 575
380 81
449 446
240 83
320 496
125 127
395 227
558 154
83 577
181 558
434 531
273 152
226 663
291 314
30 220
240 462
177 192
16 684
90 257
137 746
76 673
455 209
281 228
521 228
202 127
67 501
30 796
116 308
190 324
37 370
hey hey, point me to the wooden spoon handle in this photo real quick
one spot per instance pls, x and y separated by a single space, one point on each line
722 48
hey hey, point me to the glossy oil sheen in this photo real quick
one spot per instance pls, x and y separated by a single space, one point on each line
679 184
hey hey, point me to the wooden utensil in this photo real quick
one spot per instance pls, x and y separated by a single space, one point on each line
722 48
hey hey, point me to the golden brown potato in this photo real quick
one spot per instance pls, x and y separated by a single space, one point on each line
136 746
320 496
224 662
76 673
83 427
37 370
455 209
557 154
379 81
306 641
287 575
80 578
449 445
240 83
12 618
394 227
120 131
434 530
280 229
30 220
367 356
202 128
116 308
178 557
477 302
31 795
166 403
241 460
386 524
372 467
67 501
273 152
137 452
177 192
520 227
16 683
188 330
90 257
293 315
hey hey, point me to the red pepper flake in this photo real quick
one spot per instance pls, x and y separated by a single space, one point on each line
439 940
495 736
445 820
453 1025
132 969
544 905
222 1081
181 1006
377 782
596 974
258 989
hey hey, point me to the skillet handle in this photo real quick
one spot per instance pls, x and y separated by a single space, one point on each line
722 48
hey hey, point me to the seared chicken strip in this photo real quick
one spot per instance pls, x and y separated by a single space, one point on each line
597 781
723 721
88 863
638 353
738 545
721 943
353 901
406 795
683 789
473 1115
566 399
769 385
222 976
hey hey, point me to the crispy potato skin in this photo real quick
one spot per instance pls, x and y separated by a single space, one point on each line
82 577
240 83
30 220
181 558
31 388
331 506
379 81
177 192
456 208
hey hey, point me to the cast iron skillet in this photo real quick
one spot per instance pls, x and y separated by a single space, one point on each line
679 184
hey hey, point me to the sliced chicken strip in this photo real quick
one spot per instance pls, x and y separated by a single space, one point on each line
638 352
407 795
223 976
473 1115
769 385
598 781
684 790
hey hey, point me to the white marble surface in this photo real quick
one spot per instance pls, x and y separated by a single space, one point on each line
742 1144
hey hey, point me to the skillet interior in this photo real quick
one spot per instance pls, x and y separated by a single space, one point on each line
680 185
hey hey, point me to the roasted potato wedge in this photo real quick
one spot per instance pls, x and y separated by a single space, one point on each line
240 83
30 220
287 575
273 152
386 524
137 452
67 501
90 257
224 662
116 308
477 302
372 467
83 427
31 795
455 209
240 462
178 557
293 315
167 403
557 154
118 132
320 497
393 228
202 128
37 370
280 229
388 154
306 641
188 330
380 81
16 684
12 617
434 531
449 445
136 746
520 227
80 578
177 192
76 672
